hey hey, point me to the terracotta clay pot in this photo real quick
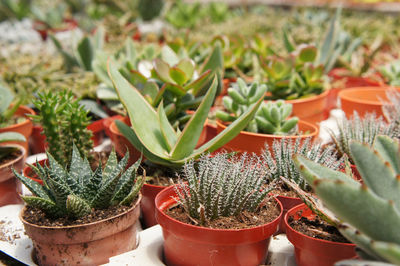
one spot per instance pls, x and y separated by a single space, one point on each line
313 251
10 187
310 109
41 28
38 140
24 128
147 204
363 100
186 244
287 204
254 142
86 244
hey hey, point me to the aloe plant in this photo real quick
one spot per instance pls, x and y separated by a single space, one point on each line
391 73
9 136
155 137
362 208
221 186
75 192
6 109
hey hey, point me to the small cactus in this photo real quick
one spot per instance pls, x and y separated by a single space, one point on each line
221 186
76 192
64 122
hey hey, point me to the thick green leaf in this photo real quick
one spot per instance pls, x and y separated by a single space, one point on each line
178 75
308 54
197 85
11 136
169 56
33 186
190 135
86 53
389 149
144 118
166 128
389 251
6 97
77 207
162 69
46 205
187 66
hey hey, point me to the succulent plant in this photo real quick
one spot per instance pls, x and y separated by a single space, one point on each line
84 53
360 129
391 109
221 186
64 122
75 192
6 110
391 72
9 136
271 117
362 208
279 159
155 137
149 10
184 15
14 9
295 76
52 16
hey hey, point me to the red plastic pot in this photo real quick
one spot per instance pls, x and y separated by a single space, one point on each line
186 244
43 30
363 100
147 205
254 142
85 244
24 128
287 204
313 251
38 140
10 187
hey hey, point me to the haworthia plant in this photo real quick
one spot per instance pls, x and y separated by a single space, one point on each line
75 192
370 212
221 186
152 133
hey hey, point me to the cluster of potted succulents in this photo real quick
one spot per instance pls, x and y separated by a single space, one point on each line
215 141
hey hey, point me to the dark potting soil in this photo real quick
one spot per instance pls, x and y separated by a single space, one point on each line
11 157
38 217
267 213
282 190
317 229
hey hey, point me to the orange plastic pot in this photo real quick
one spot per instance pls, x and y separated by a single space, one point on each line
147 204
87 244
310 109
313 251
121 144
41 28
38 143
24 128
348 82
287 204
10 187
363 100
186 244
254 142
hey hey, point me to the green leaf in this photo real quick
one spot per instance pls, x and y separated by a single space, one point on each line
389 149
178 75
187 141
125 183
389 251
33 186
288 44
46 205
169 56
144 118
11 136
163 70
134 192
6 97
197 85
77 207
308 54
86 53
187 67
166 128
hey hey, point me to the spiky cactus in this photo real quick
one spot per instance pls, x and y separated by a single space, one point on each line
271 117
74 192
221 186
369 212
64 122
363 130
280 163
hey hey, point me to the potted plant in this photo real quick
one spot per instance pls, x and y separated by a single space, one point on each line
79 211
161 144
13 117
279 162
218 208
11 156
270 122
362 208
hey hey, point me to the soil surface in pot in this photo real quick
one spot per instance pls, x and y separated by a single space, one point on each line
317 229
38 217
267 213
158 175
282 190
11 156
